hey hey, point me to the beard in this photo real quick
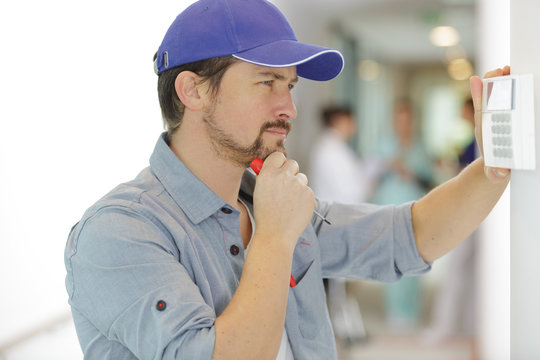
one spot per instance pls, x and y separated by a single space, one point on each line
225 147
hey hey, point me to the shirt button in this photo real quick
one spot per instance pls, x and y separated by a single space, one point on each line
234 250
226 210
161 305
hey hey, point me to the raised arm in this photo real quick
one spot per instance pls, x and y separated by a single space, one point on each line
452 211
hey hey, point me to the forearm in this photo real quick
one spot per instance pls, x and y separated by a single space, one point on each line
452 211
252 324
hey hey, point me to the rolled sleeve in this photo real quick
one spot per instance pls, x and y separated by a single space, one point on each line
408 259
368 242
117 277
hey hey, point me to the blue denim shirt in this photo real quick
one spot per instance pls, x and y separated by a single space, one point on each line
150 265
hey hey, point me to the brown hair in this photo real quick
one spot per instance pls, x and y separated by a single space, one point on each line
172 109
329 113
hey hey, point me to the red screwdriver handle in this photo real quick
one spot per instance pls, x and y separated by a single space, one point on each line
256 165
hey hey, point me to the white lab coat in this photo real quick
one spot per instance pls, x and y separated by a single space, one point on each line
336 172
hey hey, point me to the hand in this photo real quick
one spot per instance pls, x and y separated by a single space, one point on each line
283 203
493 174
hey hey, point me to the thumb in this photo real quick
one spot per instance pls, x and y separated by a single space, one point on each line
476 92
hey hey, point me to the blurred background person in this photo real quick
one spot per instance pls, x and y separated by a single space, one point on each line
408 175
339 175
469 151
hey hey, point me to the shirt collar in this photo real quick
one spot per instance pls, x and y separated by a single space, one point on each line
196 199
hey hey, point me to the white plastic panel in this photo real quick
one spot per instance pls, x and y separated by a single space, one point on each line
508 122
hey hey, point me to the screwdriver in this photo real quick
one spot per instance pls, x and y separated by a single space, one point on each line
256 166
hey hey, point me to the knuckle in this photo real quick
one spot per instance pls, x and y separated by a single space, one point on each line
276 157
293 165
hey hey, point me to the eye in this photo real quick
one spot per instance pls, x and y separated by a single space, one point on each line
267 82
291 86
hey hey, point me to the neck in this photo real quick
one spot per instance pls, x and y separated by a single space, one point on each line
406 141
343 129
339 133
193 147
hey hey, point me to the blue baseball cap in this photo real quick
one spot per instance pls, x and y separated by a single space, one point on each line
250 30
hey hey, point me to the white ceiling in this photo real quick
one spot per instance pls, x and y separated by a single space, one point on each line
396 30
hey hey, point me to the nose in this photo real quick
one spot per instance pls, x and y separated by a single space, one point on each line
285 108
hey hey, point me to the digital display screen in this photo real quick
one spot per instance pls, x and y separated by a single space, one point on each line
499 95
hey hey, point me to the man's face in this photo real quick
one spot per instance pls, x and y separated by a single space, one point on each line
250 116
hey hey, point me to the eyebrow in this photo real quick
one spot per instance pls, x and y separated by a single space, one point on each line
277 76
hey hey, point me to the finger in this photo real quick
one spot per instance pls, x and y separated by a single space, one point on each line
496 175
494 73
274 160
302 178
476 92
506 70
291 166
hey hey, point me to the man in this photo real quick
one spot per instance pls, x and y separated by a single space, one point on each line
156 268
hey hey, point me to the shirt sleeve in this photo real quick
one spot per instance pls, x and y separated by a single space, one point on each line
368 242
125 277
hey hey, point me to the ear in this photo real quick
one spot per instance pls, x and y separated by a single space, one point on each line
187 89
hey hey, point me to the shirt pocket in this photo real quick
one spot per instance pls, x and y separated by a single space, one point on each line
310 301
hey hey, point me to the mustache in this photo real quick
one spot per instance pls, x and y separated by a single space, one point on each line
277 124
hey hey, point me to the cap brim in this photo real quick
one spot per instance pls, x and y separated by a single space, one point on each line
312 62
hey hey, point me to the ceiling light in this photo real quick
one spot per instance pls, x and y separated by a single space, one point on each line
444 36
460 69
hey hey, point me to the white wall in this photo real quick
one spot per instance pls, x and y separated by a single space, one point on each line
493 301
509 314
525 202
79 114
